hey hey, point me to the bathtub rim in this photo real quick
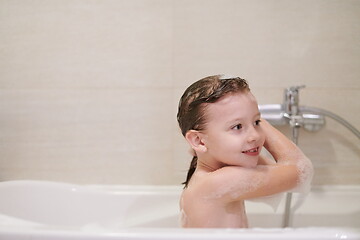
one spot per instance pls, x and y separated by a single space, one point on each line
147 187
195 233
322 232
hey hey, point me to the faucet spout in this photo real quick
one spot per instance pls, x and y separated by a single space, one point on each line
291 100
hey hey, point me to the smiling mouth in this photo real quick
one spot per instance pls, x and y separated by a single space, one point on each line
252 152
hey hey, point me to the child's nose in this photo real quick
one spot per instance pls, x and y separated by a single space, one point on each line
253 135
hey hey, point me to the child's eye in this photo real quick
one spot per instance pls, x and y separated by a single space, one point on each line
257 122
237 127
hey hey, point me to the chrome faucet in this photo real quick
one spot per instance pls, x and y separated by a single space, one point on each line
291 100
291 113
291 110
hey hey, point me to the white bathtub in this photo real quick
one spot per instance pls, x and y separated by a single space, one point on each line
49 210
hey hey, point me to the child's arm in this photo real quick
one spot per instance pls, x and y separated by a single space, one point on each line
291 168
281 148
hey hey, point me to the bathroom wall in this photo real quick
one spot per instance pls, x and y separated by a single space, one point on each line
89 88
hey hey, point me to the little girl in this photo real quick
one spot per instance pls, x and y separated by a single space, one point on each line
220 119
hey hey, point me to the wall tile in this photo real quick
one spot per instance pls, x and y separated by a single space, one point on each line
60 130
85 44
274 43
89 89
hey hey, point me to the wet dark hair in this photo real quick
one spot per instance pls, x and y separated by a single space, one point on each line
191 112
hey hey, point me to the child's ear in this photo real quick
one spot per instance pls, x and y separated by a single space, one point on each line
194 138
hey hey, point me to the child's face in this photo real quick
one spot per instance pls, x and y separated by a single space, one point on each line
233 135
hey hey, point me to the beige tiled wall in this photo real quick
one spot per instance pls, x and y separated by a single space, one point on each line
89 89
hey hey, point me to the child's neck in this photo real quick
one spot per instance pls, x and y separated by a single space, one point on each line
203 165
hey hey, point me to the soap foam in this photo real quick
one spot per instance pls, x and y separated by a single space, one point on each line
306 172
183 216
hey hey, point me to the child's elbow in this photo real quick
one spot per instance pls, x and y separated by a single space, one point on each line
305 172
